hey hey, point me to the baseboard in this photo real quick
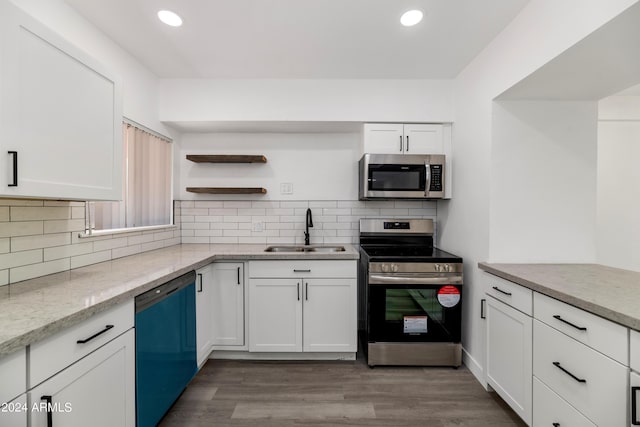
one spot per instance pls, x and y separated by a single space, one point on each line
245 355
475 368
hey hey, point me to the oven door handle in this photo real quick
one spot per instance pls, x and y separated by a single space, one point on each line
376 279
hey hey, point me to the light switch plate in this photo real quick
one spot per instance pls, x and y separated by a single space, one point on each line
286 188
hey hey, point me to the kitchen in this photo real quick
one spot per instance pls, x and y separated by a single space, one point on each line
501 208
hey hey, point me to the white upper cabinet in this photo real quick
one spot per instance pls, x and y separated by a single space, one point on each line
398 138
60 116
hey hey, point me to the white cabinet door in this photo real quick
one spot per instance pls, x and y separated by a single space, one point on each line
14 413
383 138
61 114
275 315
509 356
423 139
97 391
329 315
228 304
204 312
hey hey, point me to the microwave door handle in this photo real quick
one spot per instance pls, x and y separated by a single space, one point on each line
428 176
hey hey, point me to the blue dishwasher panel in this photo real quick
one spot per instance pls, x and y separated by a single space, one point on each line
165 353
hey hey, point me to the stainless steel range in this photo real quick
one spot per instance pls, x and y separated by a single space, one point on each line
410 295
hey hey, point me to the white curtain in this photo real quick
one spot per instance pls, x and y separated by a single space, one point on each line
146 184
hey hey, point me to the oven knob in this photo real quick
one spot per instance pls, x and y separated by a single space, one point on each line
437 267
394 267
385 268
447 267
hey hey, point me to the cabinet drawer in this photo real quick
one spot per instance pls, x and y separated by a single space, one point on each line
295 269
55 353
510 293
549 409
599 389
600 334
634 342
13 374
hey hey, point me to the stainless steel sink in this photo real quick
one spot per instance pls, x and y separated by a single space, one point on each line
301 248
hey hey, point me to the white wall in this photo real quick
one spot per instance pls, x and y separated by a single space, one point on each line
306 100
543 30
619 182
543 181
321 166
140 99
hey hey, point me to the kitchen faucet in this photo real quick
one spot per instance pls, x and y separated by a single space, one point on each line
309 224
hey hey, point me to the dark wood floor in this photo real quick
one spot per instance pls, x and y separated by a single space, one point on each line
286 394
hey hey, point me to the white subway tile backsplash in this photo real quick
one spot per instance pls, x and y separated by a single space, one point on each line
152 245
195 239
298 204
336 211
194 211
126 251
92 258
207 233
323 204
186 204
252 240
265 205
187 233
21 202
224 239
16 259
394 212
62 225
207 218
116 242
237 218
223 212
41 241
19 213
237 204
5 245
224 225
279 226
26 228
4 277
195 226
19 274
4 213
67 251
207 204
279 212
252 211
236 233
349 204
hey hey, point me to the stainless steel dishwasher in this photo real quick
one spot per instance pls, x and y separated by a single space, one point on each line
165 346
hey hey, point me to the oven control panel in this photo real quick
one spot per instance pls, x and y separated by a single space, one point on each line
410 267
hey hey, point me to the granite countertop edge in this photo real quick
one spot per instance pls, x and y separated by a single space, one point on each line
609 313
44 288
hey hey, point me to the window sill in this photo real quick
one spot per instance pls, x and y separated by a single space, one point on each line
95 233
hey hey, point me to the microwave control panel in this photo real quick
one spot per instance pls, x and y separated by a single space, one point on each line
436 178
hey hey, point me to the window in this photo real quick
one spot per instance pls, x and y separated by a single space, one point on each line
147 184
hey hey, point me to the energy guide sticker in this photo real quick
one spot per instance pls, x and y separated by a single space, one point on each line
448 296
415 324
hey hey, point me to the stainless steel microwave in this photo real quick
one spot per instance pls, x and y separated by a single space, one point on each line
402 176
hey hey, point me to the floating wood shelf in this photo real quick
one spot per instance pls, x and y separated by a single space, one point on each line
227 190
226 158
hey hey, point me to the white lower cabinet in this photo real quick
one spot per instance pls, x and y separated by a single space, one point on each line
303 312
509 355
204 313
228 304
550 410
97 391
589 381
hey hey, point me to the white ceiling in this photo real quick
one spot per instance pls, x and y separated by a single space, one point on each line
302 38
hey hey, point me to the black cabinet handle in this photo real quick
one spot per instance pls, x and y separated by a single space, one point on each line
306 291
501 291
49 400
580 328
483 302
238 275
401 143
555 424
407 150
15 169
580 380
200 280
298 291
86 340
302 271
634 406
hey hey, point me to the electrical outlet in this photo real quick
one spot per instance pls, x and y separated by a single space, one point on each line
286 188
258 226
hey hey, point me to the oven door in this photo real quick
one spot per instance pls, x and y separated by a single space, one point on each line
410 311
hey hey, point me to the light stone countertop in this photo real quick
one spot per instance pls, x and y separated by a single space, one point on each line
37 308
608 292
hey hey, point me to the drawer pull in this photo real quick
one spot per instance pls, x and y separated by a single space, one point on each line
634 407
238 275
501 291
580 380
86 340
580 328
200 277
555 424
302 271
49 400
298 291
483 302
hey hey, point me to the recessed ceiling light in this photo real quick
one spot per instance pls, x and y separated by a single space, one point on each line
170 18
411 17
